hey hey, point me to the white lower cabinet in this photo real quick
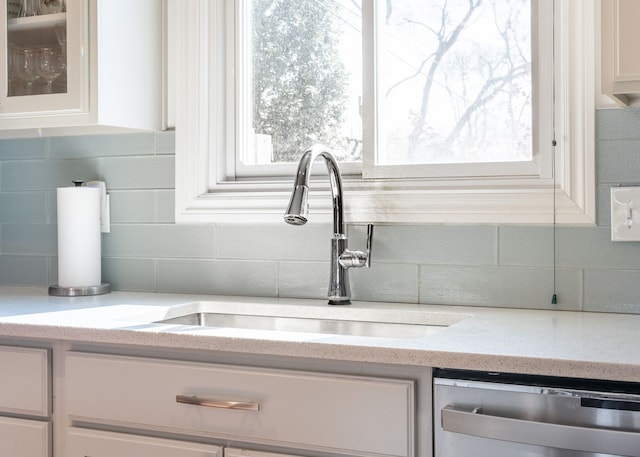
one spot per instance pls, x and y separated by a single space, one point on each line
25 437
305 412
26 385
25 402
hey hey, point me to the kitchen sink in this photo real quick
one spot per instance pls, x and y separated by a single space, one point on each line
344 325
399 321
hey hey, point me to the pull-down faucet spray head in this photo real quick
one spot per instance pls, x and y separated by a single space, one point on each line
296 213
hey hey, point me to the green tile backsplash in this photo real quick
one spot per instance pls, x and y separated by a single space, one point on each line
478 265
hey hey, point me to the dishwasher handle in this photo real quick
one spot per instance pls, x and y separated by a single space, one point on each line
472 421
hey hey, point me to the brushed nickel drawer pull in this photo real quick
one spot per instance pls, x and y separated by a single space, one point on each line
222 404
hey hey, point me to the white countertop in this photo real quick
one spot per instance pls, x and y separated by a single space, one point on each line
558 343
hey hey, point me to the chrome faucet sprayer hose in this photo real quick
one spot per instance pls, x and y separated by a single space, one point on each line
341 258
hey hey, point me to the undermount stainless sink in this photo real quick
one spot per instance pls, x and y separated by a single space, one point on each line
306 325
241 318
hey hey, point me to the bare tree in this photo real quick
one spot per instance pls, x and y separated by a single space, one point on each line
500 73
474 80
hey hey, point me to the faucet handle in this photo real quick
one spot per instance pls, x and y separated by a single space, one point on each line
358 259
369 244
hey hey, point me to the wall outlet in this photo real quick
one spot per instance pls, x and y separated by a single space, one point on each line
625 214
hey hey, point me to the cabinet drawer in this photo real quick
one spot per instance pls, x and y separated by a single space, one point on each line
83 443
25 438
25 381
332 413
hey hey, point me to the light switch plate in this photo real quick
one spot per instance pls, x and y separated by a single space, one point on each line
625 213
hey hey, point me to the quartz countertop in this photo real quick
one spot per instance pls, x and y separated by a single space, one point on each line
556 343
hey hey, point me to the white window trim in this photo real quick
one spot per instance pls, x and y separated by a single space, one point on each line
203 197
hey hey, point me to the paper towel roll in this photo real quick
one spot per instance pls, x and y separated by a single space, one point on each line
79 248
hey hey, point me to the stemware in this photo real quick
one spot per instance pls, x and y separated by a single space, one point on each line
26 67
50 65
29 8
13 77
61 36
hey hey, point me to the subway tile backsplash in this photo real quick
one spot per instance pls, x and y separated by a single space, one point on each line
81 147
501 286
476 265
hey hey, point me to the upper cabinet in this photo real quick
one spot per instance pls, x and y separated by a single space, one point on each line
95 64
620 57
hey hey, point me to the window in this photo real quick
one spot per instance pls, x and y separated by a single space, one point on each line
454 89
473 144
455 80
303 67
450 83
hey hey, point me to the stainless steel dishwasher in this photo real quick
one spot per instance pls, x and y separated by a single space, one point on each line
505 415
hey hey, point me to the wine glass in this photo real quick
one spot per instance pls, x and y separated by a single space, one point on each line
61 37
29 8
49 66
26 67
14 78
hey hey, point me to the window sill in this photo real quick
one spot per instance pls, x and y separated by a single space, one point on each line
372 202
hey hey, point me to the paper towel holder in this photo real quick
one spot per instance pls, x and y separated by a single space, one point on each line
100 289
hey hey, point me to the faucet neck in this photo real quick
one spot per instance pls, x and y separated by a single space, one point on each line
335 181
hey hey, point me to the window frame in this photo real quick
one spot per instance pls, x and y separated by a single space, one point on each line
205 195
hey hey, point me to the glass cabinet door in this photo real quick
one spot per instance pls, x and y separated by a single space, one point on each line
42 69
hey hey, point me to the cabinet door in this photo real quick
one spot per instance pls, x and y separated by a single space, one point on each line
620 61
45 68
322 413
25 388
104 70
93 443
24 438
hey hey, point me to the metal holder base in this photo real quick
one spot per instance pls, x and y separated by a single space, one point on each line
58 291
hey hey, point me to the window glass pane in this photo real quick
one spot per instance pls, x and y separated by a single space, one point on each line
455 81
306 78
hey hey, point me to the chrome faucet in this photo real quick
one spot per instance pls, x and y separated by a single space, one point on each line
341 258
